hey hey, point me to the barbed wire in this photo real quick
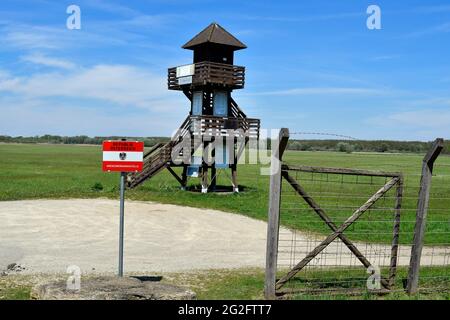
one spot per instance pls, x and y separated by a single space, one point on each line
323 134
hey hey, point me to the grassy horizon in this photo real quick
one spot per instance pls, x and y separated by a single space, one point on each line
67 171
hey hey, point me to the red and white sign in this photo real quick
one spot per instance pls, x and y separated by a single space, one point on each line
123 156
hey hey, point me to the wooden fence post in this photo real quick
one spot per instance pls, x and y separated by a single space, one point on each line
396 232
273 223
421 215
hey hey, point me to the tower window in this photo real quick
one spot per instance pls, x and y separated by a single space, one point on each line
197 103
220 104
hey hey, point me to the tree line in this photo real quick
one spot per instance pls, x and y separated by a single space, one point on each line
54 139
348 146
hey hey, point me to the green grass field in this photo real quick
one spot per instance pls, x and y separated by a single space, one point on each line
71 171
68 171
246 284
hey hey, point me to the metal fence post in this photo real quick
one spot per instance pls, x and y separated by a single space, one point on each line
421 215
121 223
273 223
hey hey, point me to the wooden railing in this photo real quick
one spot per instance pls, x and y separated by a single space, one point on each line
158 157
206 72
236 112
218 126
153 163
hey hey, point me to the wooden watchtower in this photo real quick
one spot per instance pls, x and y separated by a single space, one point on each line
208 83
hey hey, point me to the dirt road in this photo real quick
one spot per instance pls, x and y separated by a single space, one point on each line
49 235
46 236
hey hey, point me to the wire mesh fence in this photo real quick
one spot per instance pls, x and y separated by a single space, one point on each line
383 235
319 203
434 274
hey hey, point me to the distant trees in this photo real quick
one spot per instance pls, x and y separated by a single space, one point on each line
299 146
383 147
54 139
347 146
363 146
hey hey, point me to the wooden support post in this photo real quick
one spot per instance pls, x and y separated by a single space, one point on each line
205 161
174 174
273 224
421 215
184 177
232 156
213 169
205 179
234 177
396 232
213 177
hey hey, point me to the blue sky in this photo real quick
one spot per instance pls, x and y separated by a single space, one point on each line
311 66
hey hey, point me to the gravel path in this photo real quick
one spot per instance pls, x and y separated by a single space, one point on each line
49 235
46 236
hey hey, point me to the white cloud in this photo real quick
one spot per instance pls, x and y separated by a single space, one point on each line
36 117
305 18
422 118
7 81
48 61
31 39
4 74
34 37
112 7
419 119
101 100
119 84
442 28
153 21
434 101
322 91
423 125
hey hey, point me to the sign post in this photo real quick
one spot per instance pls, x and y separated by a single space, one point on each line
122 156
122 218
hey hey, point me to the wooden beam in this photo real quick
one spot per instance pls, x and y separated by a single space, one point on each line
421 215
355 216
241 148
273 224
213 177
315 206
213 168
153 148
344 171
205 179
396 233
175 175
184 177
434 152
234 180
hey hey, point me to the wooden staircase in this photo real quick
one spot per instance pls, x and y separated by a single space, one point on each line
158 157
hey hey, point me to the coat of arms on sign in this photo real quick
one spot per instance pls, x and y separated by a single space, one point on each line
122 156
